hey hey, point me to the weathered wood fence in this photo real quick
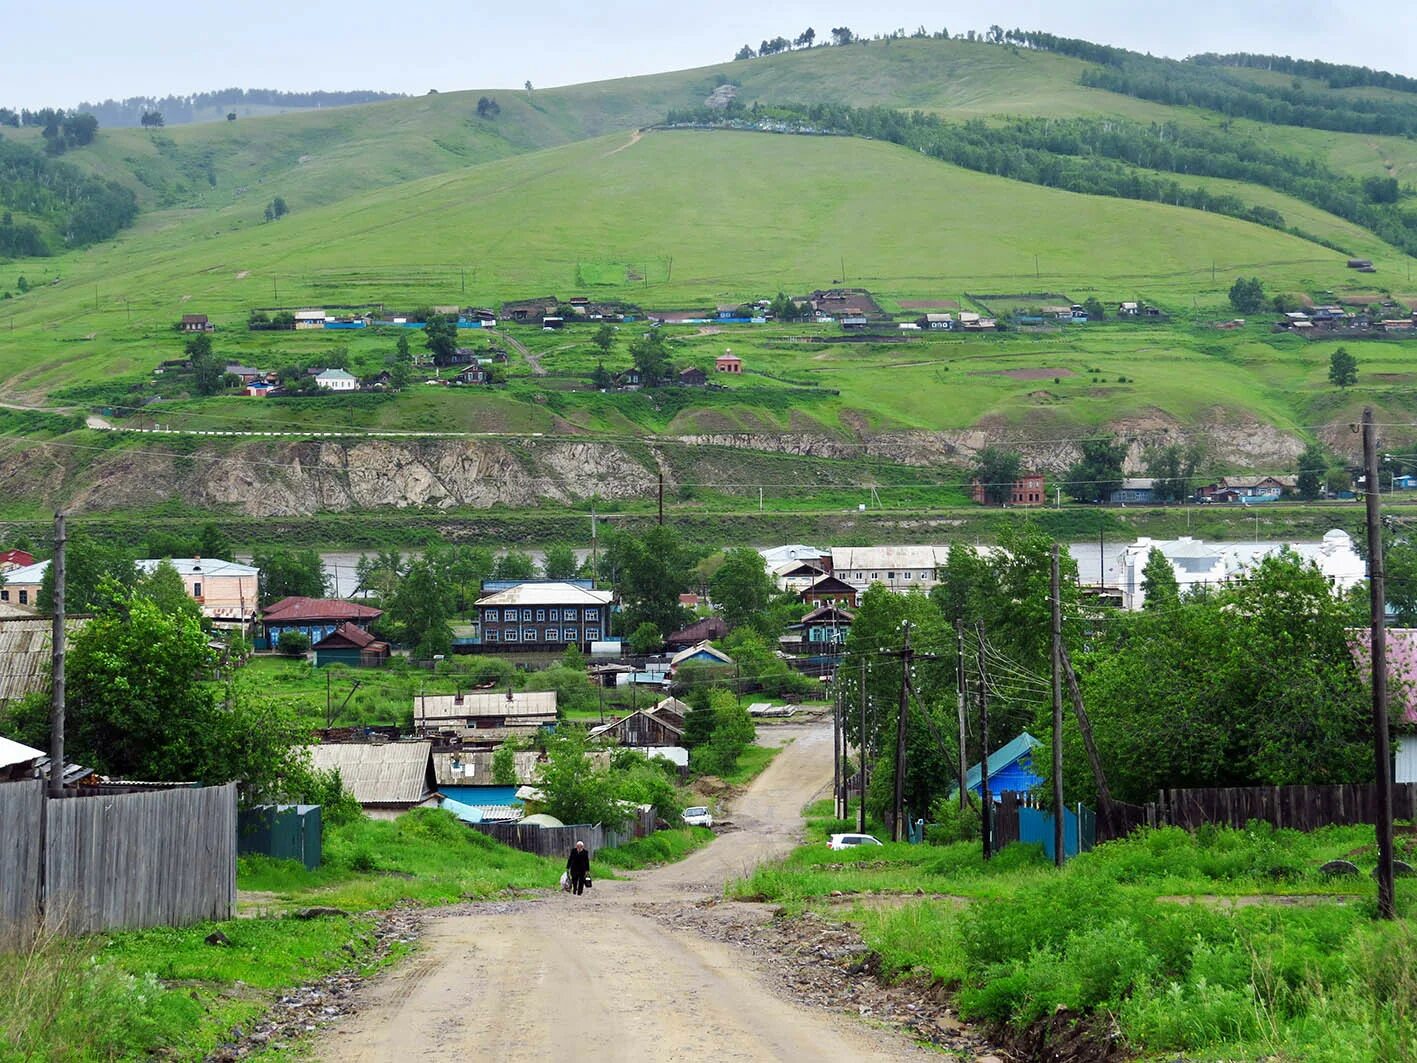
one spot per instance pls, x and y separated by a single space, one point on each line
89 863
559 841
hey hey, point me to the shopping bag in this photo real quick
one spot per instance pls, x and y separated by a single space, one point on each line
588 882
566 881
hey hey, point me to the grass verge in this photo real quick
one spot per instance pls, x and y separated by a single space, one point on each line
752 762
662 847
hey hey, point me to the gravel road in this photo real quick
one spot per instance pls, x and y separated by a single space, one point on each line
593 978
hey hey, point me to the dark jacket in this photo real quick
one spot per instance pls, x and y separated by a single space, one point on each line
578 863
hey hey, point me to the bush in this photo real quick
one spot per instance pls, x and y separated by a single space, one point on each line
293 643
949 823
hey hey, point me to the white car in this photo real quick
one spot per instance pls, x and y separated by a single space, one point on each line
850 841
698 816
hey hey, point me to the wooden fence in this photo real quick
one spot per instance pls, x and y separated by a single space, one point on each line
559 841
162 858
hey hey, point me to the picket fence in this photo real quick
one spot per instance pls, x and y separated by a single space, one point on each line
81 864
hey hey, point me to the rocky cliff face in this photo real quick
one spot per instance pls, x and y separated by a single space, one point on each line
279 479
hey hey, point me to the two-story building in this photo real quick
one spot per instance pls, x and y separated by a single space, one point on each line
544 615
226 590
899 568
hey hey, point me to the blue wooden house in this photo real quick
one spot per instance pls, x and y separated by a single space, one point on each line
1010 769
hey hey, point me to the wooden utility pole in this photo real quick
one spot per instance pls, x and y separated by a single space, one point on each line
1055 583
898 805
1104 794
56 701
962 712
861 807
986 810
837 810
1382 754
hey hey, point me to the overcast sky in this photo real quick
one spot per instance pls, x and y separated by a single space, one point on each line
61 52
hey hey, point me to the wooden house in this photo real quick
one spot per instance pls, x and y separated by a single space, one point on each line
195 323
529 311
693 377
710 627
1010 770
701 653
313 617
351 645
641 729
829 590
542 615
386 778
485 718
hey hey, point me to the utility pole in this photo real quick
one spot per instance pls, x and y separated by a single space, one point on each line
329 706
1055 582
986 811
1378 609
961 711
661 498
837 810
898 806
56 702
861 807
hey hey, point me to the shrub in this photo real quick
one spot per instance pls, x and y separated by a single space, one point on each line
949 823
293 643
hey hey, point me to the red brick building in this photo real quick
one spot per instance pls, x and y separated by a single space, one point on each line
1030 489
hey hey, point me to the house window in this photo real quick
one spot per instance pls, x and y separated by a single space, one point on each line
552 635
528 634
592 634
491 616
196 590
24 597
570 634
526 614
492 636
890 576
569 614
4 595
909 575
540 615
512 634
555 615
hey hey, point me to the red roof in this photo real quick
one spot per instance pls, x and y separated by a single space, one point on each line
16 557
350 633
300 610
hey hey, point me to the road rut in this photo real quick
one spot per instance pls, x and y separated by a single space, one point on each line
591 978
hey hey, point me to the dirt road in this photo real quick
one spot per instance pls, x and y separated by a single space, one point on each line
591 978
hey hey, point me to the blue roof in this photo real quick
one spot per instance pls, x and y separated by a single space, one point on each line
1002 758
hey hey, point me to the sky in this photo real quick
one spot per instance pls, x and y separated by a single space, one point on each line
88 50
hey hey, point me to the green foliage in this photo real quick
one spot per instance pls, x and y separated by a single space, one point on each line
77 208
1098 470
651 357
1313 468
1342 369
1173 467
504 764
642 781
733 731
420 609
95 572
165 589
604 337
649 572
574 690
293 643
1247 295
441 332
289 573
1159 586
575 790
559 562
661 847
997 470
741 588
949 823
645 639
514 564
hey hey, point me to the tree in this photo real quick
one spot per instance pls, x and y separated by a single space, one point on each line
996 470
651 357
152 120
841 35
1247 295
231 116
645 639
1095 310
573 788
213 542
1098 471
1172 468
287 573
419 612
650 571
604 337
601 378
1313 467
1342 368
806 38
746 52
79 129
527 85
487 107
293 643
741 588
504 764
400 376
559 562
94 573
733 731
401 347
381 573
278 207
1158 582
441 331
163 587
514 564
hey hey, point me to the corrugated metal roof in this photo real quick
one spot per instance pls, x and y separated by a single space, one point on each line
12 753
391 773
1001 759
694 651
476 768
296 609
887 557
541 593
484 703
199 566
26 654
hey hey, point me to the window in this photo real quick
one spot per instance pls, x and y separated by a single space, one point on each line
570 634
24 597
528 634
4 595
568 614
552 635
491 616
540 615
890 575
512 634
592 634
555 615
196 590
492 636
526 614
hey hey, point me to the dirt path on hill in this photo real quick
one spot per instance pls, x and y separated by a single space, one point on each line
634 139
600 977
521 348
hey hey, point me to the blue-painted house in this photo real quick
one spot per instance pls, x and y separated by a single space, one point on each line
1010 769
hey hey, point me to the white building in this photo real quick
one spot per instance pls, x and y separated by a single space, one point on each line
337 380
226 590
898 568
1198 564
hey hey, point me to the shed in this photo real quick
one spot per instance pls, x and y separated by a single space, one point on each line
387 778
1010 769
351 645
642 728
702 653
283 832
485 710
710 627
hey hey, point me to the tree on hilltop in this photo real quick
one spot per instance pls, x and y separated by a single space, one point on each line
152 120
487 107
806 38
842 35
746 52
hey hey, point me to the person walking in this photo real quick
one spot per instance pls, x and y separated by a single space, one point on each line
578 867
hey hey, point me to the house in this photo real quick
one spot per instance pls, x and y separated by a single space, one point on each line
529 311
1010 770
27 653
13 559
336 380
821 630
829 590
1135 490
386 778
643 729
629 379
702 653
778 555
459 356
18 761
693 377
936 322
1028 490
245 373
853 322
1198 564
710 627
21 586
475 374
313 617
1248 489
226 590
1402 691
580 304
485 717
1362 264
728 362
544 615
972 322
309 319
1128 309
796 576
899 568
195 323
351 645
552 324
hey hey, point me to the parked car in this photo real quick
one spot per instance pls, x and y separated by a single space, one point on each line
697 816
850 841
